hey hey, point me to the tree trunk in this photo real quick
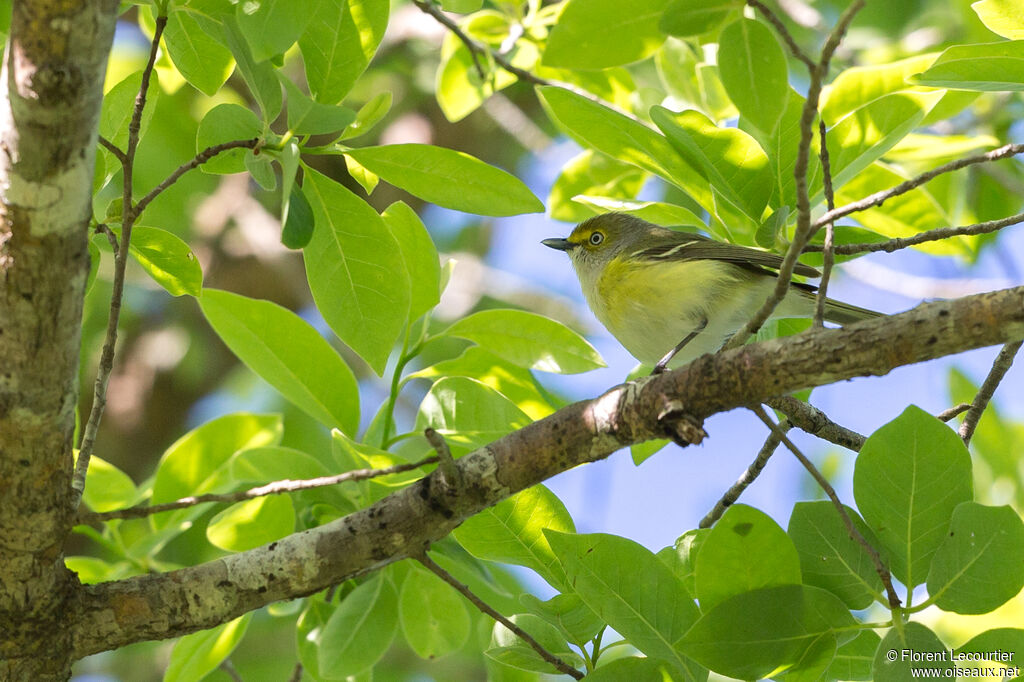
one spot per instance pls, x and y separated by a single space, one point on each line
53 71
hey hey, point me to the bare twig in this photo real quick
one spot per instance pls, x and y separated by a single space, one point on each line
780 27
446 463
928 236
749 476
104 229
952 412
229 668
475 48
878 198
275 488
804 229
464 590
1000 367
829 252
296 673
198 160
810 419
880 567
113 149
106 364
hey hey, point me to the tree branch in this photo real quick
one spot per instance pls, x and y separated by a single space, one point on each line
1000 367
110 615
810 419
876 559
106 364
274 488
922 237
879 198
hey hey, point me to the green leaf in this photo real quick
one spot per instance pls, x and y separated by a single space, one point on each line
987 67
597 34
866 134
107 487
360 630
781 145
632 590
854 659
272 26
308 117
508 648
593 174
196 456
641 452
567 612
260 76
274 463
119 106
515 383
681 557
724 567
657 212
355 271
197 655
433 615
299 222
753 70
895 657
729 158
997 641
202 60
309 633
1005 17
338 44
634 669
528 340
758 634
226 123
858 86
167 259
284 350
367 180
512 532
419 255
259 166
94 265
830 558
689 18
909 476
460 90
252 523
980 564
622 138
376 108
449 178
468 413
461 6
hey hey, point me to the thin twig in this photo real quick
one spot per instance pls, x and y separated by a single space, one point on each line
106 364
296 673
1000 367
501 60
880 567
275 488
450 473
198 160
783 32
229 668
113 149
952 412
104 229
803 202
878 198
927 236
464 590
810 419
749 476
829 252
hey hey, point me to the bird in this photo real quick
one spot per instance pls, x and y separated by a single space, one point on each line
669 297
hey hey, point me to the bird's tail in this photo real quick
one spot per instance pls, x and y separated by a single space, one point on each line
838 312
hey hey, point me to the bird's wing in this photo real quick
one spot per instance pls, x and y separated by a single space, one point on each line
682 246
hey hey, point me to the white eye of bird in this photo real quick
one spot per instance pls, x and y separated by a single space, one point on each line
596 238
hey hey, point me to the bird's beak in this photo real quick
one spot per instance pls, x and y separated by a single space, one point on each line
559 244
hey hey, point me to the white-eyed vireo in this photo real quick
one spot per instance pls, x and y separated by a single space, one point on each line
670 296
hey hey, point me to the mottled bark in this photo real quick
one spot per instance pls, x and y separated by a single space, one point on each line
52 74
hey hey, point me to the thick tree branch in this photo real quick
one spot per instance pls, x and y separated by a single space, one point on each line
109 615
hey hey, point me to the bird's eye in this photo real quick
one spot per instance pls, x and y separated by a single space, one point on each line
596 238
